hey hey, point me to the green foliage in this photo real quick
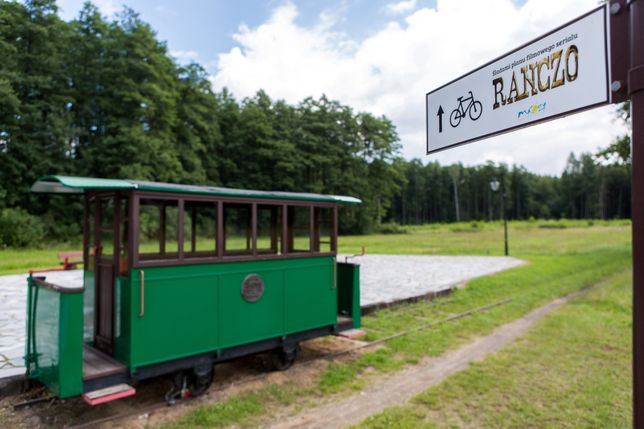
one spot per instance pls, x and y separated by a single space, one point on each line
553 225
20 229
391 228
103 98
586 189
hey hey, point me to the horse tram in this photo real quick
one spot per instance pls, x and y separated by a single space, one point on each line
178 278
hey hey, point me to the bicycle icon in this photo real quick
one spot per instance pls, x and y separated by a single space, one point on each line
474 107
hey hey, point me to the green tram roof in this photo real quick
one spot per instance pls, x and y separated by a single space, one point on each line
78 185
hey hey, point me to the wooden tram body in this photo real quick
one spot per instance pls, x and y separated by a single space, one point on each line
179 278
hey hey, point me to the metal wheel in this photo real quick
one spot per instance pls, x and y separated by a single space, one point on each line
283 359
193 382
180 387
201 379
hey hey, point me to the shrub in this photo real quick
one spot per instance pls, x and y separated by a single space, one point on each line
464 227
20 229
392 228
553 225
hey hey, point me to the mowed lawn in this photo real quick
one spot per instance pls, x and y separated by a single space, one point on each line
572 370
464 238
563 257
20 261
486 238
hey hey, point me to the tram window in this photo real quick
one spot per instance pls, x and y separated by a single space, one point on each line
269 229
158 229
299 225
199 229
237 229
323 227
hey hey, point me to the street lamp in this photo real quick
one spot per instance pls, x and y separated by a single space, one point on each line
495 185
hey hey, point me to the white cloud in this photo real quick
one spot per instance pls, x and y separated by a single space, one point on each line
69 8
109 7
400 7
390 71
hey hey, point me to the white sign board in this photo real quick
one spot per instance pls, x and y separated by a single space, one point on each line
562 72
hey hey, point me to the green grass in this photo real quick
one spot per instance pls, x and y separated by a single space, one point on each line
240 408
465 238
529 287
20 261
571 370
561 260
525 238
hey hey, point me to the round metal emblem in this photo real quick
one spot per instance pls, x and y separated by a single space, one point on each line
252 288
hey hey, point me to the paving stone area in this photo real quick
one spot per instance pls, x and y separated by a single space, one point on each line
389 278
383 279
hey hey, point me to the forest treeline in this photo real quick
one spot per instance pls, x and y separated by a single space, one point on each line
103 98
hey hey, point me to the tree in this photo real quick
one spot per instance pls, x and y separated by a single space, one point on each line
455 175
35 117
620 150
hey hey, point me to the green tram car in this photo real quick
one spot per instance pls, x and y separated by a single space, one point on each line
177 278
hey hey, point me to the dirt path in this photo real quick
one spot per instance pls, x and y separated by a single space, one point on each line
398 389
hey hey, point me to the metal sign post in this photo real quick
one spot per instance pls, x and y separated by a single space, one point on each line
636 91
591 61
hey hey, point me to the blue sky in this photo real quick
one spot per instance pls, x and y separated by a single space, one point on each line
204 28
379 56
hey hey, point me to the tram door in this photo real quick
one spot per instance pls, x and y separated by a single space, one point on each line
105 237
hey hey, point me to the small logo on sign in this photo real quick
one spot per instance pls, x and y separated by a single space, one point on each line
535 108
252 288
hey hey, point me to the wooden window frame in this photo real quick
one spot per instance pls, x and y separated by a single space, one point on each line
250 230
276 219
220 256
332 222
164 203
193 253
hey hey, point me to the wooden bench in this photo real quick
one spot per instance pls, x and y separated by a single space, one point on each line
70 260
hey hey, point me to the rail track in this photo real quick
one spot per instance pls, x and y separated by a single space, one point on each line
256 378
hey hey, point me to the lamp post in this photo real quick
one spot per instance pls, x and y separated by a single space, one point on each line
495 185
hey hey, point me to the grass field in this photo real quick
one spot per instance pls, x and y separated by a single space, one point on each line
476 238
572 370
465 238
563 257
19 261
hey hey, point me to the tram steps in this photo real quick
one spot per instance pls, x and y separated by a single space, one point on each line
108 394
351 333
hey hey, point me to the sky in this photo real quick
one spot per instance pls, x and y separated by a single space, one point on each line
376 56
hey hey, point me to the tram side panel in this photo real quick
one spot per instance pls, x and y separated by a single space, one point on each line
172 313
192 309
53 350
311 295
246 319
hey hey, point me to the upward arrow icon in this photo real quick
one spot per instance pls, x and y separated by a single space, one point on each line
440 118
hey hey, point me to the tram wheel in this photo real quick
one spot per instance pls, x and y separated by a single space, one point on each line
283 359
201 379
